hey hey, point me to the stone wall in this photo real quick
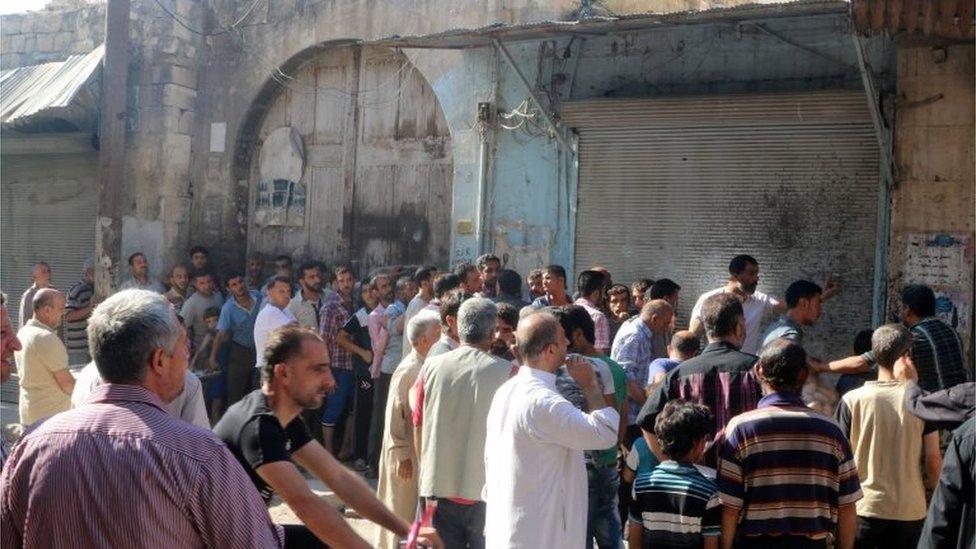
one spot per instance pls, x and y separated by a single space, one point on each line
51 34
932 205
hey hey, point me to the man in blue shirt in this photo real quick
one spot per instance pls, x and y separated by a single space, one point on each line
236 323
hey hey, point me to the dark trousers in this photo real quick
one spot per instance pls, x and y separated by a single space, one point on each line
240 371
460 526
378 421
625 495
602 521
363 413
298 536
887 534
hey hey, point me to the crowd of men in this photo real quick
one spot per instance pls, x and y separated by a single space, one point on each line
493 412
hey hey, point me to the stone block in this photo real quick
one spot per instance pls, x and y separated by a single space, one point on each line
169 45
28 23
5 40
63 40
11 24
45 43
173 95
174 74
17 43
49 22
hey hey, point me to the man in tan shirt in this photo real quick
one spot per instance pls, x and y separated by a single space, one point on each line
42 362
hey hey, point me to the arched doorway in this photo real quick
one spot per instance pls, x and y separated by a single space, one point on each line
363 133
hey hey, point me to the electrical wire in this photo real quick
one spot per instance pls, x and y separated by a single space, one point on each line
180 22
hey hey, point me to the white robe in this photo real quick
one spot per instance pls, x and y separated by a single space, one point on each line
535 477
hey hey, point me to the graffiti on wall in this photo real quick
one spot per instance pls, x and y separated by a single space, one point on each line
942 262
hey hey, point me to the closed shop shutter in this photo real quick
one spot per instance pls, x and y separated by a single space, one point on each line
48 214
676 187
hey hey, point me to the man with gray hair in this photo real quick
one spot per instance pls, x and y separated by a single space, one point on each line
45 382
535 479
397 487
457 390
123 446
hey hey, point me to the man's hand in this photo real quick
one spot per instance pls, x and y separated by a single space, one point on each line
367 356
581 371
830 287
405 469
212 365
428 535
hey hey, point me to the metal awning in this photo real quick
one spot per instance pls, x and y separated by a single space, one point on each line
62 91
596 26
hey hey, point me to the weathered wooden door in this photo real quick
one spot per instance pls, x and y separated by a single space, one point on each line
375 186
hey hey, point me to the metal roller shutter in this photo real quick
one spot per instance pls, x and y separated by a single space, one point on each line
48 214
676 187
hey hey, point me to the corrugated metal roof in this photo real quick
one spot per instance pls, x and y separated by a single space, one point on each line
482 36
51 90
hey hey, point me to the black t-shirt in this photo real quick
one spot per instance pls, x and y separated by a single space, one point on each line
255 437
359 333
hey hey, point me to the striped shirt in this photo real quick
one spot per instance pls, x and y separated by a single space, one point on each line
937 353
677 504
788 468
122 472
601 324
75 336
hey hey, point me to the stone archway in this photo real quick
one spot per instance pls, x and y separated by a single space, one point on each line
375 182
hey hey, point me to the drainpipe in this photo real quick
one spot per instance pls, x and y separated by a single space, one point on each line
484 123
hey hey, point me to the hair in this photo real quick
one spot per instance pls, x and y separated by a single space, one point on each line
132 257
782 361
485 258
590 281
3 298
450 303
199 274
509 282
232 275
420 325
740 262
126 329
255 255
556 270
680 426
279 278
862 342
343 269
618 289
177 266
308 266
199 250
444 283
424 273
535 273
663 288
920 299
641 285
476 320
463 268
402 281
720 314
889 343
43 299
686 343
376 278
801 289
531 342
48 267
284 344
508 313
283 257
211 312
656 307
573 317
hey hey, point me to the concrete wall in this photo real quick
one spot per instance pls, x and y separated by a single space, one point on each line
934 136
48 35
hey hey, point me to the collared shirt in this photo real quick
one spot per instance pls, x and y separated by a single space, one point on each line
601 324
394 345
239 321
306 311
122 446
788 468
755 309
378 335
784 327
268 319
42 354
75 335
634 349
193 312
677 503
535 479
567 388
150 284
332 317
938 355
176 297
416 305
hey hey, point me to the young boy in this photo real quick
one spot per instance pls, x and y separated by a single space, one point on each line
684 345
212 380
888 443
676 504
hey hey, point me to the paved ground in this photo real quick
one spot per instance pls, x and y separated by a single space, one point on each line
282 514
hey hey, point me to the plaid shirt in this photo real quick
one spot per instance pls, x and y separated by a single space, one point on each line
332 317
601 325
634 350
937 353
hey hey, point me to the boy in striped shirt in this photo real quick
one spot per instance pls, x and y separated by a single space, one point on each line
786 476
676 504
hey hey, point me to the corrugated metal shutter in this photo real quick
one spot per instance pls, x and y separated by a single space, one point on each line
48 214
676 187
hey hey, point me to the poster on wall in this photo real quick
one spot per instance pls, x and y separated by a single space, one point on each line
941 261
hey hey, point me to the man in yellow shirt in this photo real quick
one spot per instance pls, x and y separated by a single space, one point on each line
42 362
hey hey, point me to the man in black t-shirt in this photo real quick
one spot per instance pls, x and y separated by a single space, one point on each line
354 337
266 434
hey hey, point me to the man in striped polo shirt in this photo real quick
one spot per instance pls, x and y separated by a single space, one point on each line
786 476
77 310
